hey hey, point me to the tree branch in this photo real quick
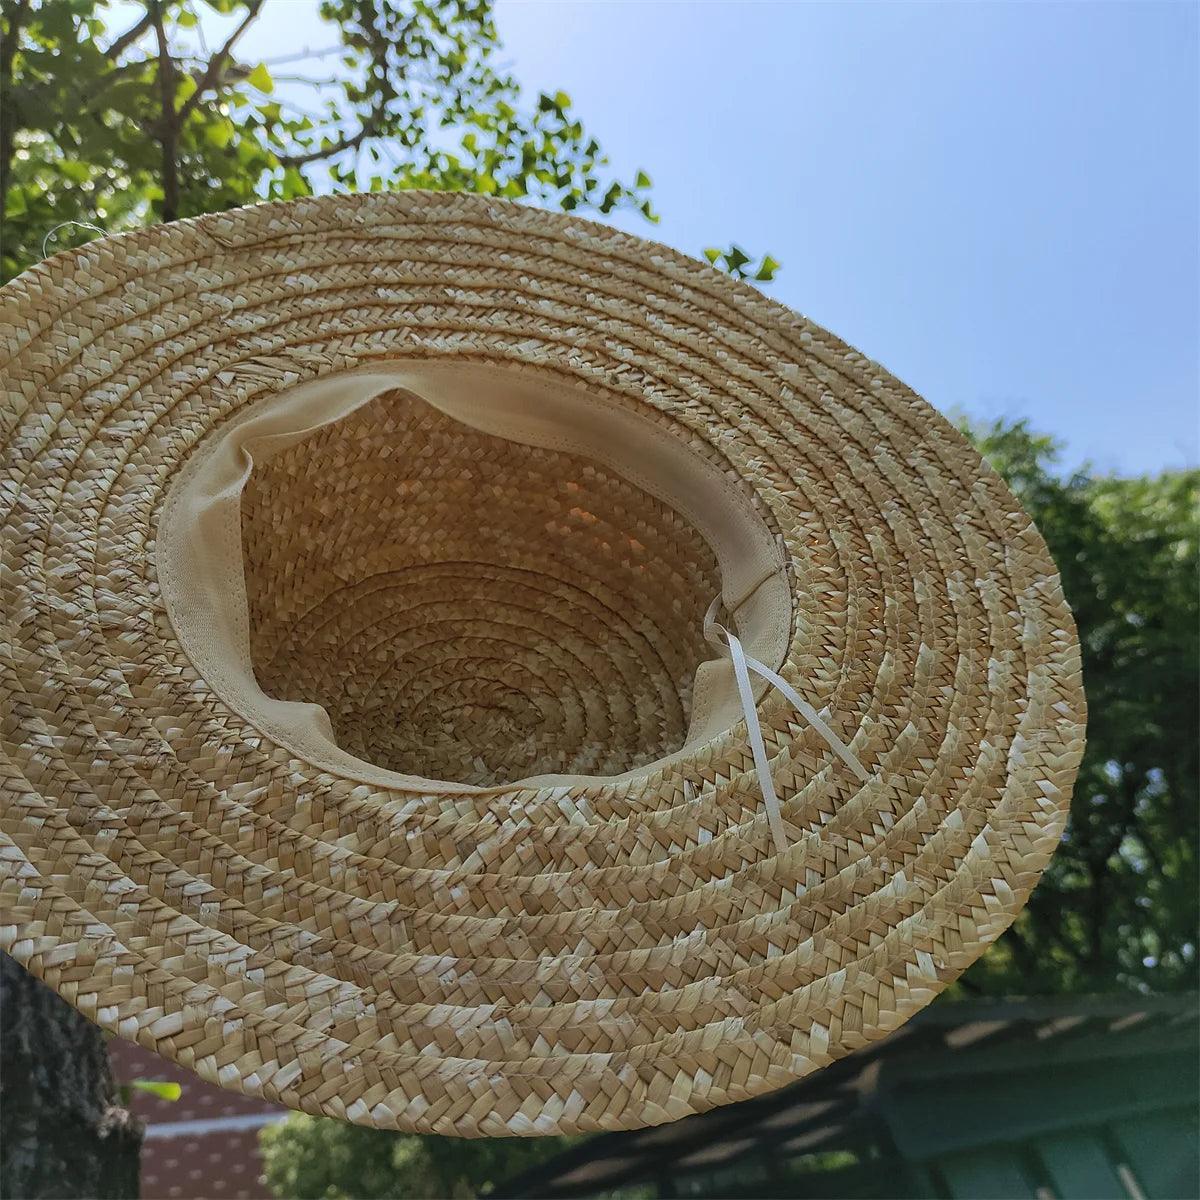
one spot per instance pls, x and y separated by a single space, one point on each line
212 75
369 128
372 124
8 125
169 125
130 36
304 55
1023 955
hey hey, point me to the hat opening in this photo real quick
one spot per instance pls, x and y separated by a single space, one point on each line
456 575
469 608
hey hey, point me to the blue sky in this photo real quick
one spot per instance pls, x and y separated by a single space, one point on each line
999 202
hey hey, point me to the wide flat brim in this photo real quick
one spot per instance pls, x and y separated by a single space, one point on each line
516 960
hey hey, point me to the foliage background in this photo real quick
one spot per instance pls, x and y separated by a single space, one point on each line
118 127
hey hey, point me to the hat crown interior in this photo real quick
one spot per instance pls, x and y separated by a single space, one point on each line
468 608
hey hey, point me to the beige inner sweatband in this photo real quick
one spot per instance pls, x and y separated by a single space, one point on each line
201 565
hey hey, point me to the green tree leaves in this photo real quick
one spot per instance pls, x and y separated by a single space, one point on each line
740 265
158 1088
260 79
150 122
1117 907
120 127
314 1158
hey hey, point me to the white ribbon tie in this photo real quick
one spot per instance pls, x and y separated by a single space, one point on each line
743 664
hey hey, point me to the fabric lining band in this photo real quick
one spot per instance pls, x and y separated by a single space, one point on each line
200 558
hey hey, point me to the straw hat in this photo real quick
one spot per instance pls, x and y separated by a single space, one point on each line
470 670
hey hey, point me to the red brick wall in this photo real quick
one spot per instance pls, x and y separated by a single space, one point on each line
182 1159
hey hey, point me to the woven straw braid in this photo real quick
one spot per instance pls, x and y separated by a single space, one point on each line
477 661
514 958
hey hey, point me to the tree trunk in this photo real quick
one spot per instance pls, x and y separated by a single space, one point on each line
63 1132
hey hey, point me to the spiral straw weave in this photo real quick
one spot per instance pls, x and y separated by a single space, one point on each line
477 660
517 957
